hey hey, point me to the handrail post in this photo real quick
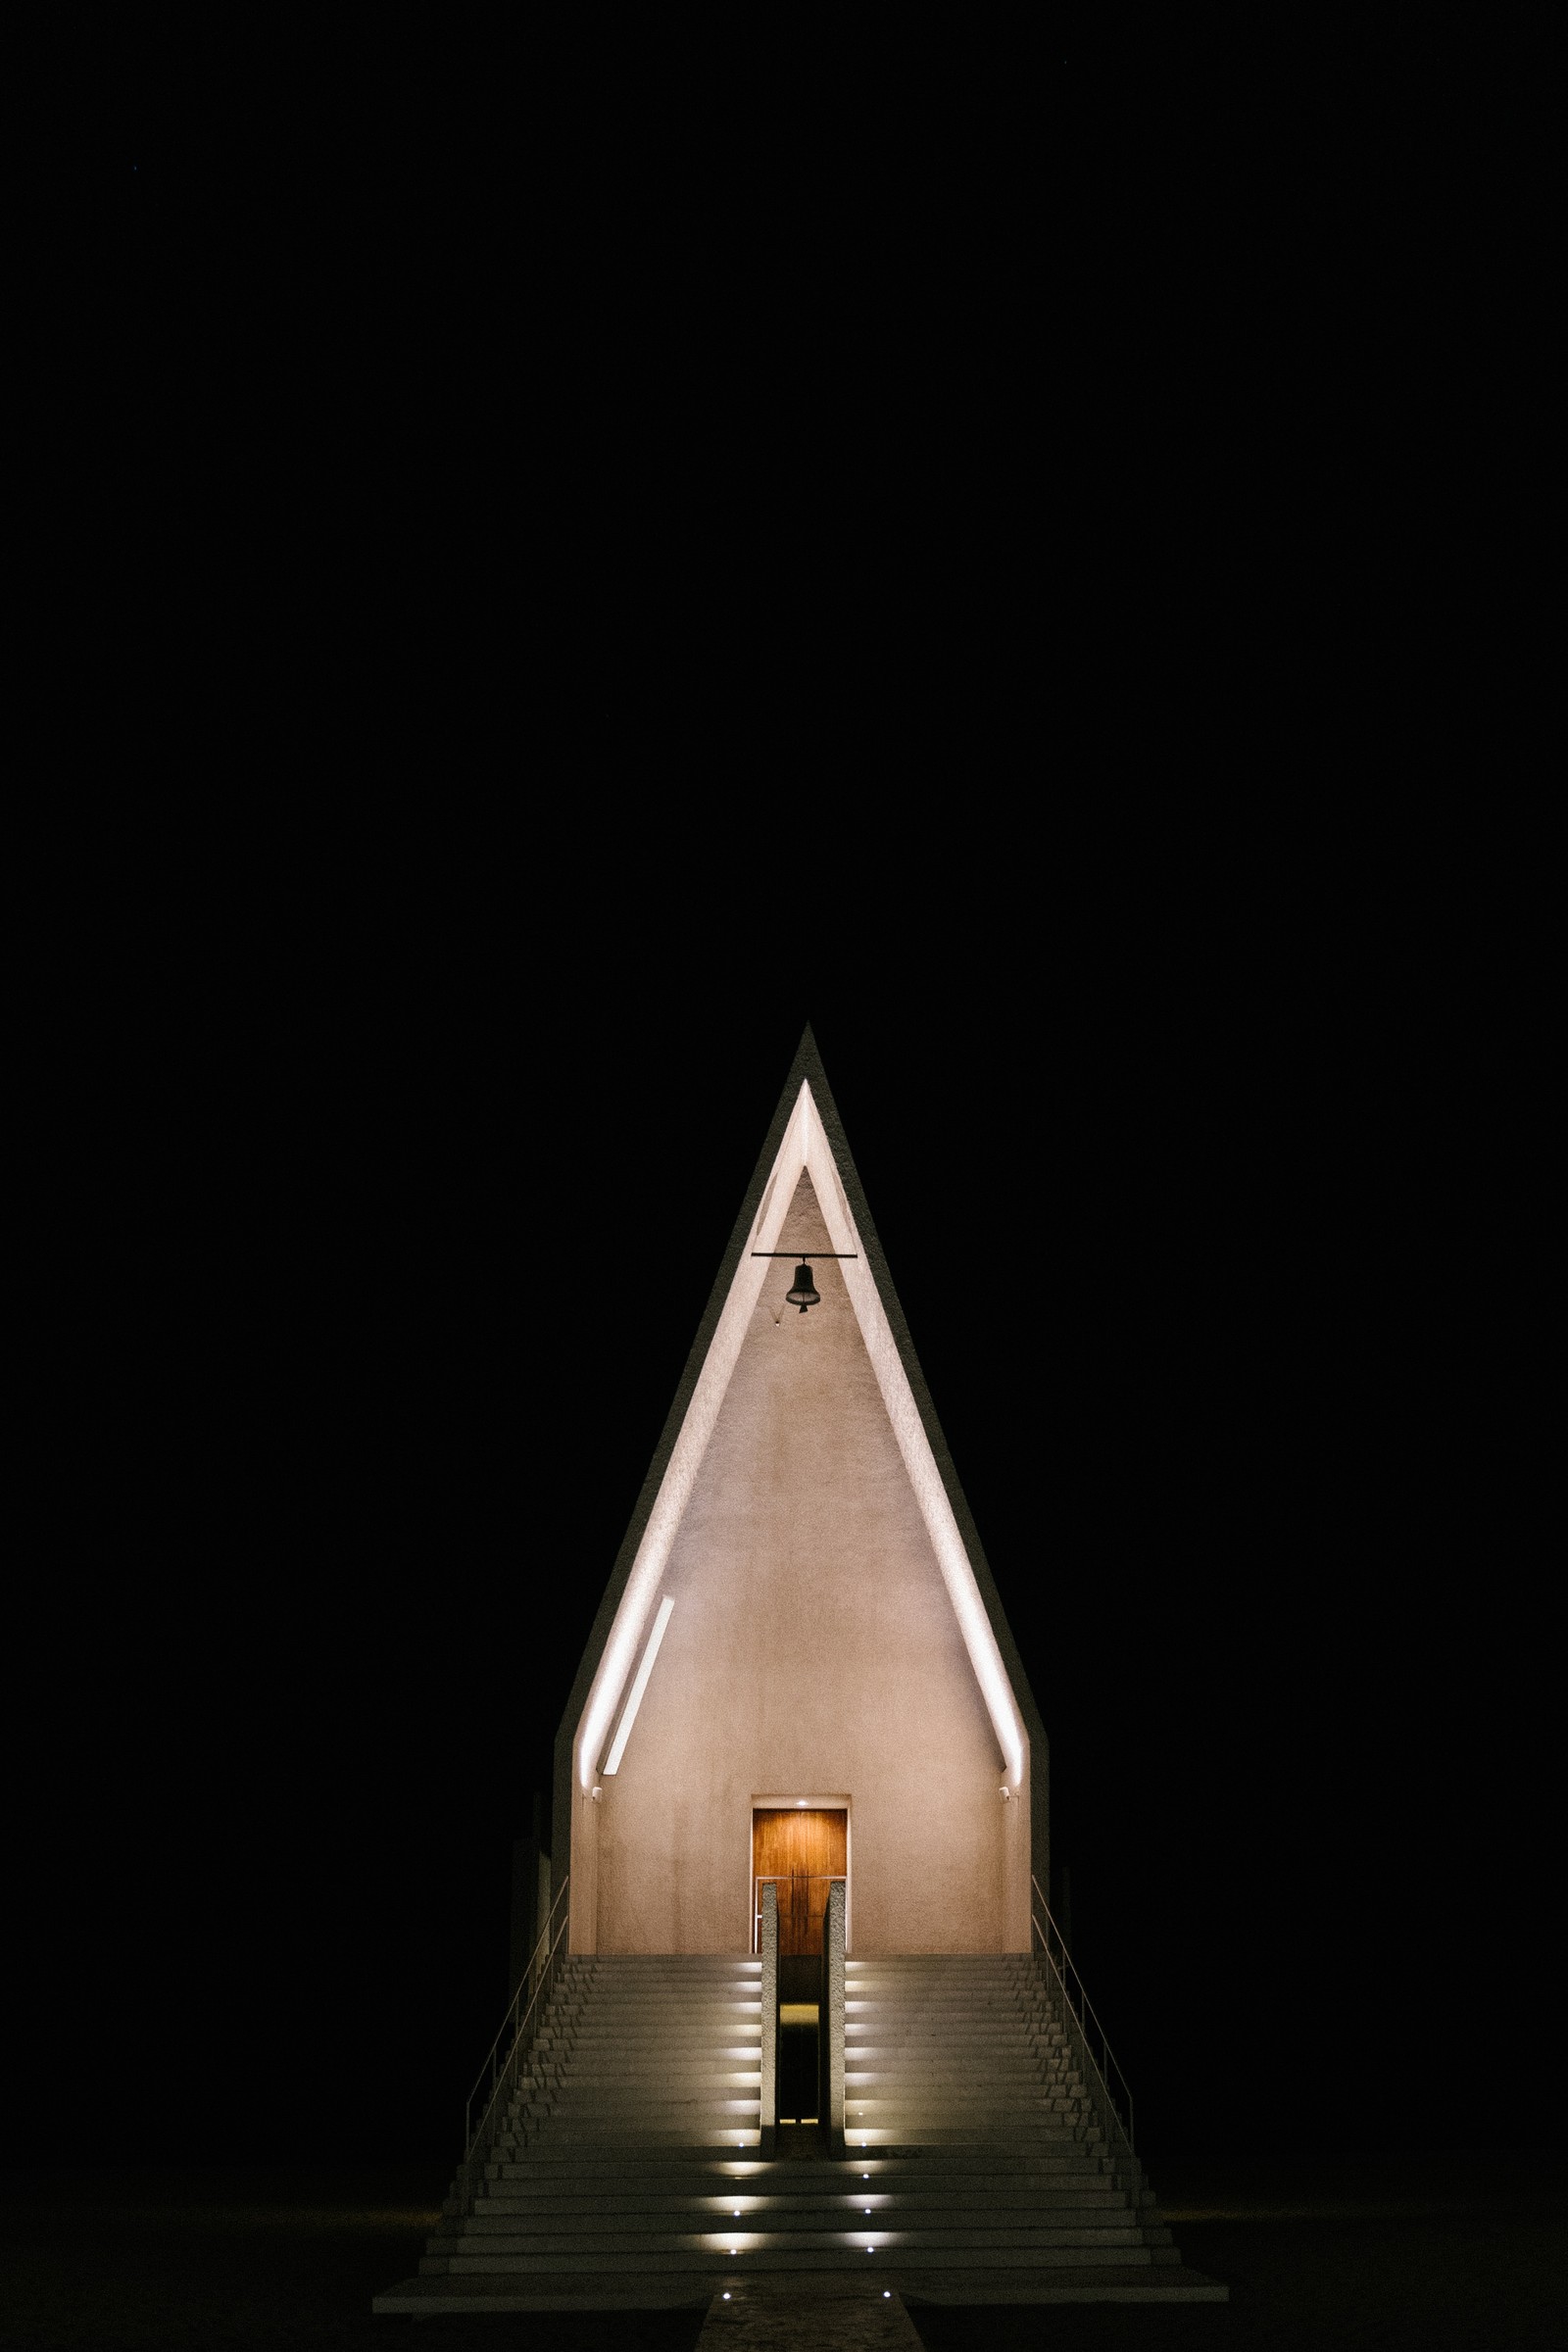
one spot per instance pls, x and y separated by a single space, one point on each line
767 2113
830 2021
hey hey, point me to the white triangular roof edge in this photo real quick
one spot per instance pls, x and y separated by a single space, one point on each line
804 1149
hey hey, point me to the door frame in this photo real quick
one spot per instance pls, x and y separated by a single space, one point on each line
795 1802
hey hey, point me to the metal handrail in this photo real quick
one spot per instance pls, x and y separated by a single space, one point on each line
478 2137
510 2016
1078 2017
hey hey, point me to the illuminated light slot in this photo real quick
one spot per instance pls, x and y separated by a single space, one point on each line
628 1716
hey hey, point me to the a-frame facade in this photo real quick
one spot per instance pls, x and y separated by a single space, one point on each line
801 1615
797 2023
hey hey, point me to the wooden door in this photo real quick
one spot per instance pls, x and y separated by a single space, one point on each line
804 1850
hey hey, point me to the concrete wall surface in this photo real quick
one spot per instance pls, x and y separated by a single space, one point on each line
813 1651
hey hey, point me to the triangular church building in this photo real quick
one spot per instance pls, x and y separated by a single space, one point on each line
802 1619
796 2022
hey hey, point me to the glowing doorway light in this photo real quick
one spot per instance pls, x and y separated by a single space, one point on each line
628 1717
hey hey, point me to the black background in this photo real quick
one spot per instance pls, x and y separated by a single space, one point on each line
604 558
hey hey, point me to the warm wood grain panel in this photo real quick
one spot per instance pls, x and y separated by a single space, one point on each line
803 1849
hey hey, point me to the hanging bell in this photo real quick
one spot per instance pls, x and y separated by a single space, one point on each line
803 1294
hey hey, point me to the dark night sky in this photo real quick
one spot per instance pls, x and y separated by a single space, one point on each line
591 616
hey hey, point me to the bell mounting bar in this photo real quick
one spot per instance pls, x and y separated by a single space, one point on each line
801 1255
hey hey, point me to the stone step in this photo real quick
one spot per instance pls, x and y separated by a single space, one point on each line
579 2105
810 2231
598 2014
681 2032
651 2083
646 2072
799 2174
996 2197
671 1988
710 2066
915 2124
977 2116
690 2123
995 2001
694 2122
881 1975
920 2066
646 2136
713 1991
740 2034
872 2097
683 2045
529 2229
680 2027
902 2017
959 2025
994 2097
950 2251
723 2094
714 1970
664 1980
970 1965
1092 2193
645 2007
990 1999
941 2081
919 2017
888 2100
960 2186
997 2051
930 2127
691 1967
717 2076
985 2049
941 2078
874 1985
984 2033
872 2138
684 2041
982 2049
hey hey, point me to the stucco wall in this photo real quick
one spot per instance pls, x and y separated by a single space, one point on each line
813 1651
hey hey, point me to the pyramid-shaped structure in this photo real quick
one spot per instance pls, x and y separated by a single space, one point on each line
801 1616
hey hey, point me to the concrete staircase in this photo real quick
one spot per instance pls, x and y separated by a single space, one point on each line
642 2054
959 2052
629 2169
